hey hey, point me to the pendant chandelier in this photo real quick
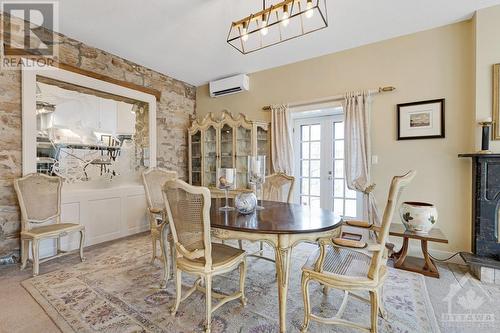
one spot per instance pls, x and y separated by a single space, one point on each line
277 23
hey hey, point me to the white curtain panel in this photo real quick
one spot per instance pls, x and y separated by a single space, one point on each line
357 108
281 140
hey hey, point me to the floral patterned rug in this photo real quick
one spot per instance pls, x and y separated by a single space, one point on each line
117 290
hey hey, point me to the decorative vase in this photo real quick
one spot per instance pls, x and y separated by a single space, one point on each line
418 217
245 202
257 175
226 178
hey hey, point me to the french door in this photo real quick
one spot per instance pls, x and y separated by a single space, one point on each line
319 166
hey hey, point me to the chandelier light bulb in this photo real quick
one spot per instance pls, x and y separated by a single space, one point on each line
263 25
310 11
244 33
285 18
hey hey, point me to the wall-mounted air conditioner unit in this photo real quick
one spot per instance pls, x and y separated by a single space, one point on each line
229 85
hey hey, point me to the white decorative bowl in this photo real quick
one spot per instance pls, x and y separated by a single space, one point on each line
418 217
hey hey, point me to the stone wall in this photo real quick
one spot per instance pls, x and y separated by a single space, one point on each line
174 109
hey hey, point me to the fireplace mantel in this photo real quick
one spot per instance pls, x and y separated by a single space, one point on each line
485 204
475 155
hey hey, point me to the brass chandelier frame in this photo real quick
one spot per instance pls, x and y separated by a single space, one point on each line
265 13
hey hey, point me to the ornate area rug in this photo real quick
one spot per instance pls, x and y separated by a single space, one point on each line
117 290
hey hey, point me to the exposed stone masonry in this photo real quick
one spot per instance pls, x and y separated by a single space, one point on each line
174 109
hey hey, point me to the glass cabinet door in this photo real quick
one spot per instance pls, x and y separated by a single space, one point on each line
196 159
209 156
243 150
263 146
226 147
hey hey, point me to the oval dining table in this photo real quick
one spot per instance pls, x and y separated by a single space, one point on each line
282 226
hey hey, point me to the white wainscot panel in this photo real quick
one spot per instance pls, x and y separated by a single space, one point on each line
107 214
135 207
103 220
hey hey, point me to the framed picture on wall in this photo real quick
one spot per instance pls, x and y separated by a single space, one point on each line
496 102
421 120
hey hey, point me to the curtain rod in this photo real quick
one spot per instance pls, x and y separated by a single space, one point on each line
333 98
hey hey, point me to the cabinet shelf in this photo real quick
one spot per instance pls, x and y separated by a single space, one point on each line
225 141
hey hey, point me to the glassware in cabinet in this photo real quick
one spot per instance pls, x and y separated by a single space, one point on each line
226 146
263 144
243 150
209 156
195 176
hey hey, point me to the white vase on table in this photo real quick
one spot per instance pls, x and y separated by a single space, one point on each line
418 217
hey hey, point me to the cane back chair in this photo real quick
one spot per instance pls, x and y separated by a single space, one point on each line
188 210
39 198
153 180
354 266
277 187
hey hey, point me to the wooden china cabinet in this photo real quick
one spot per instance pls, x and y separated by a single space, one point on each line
225 141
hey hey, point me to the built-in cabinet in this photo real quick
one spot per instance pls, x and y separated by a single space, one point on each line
225 142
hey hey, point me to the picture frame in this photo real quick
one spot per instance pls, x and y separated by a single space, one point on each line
421 120
496 102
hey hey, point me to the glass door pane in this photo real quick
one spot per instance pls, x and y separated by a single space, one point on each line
210 156
344 200
319 159
243 150
310 165
196 159
226 147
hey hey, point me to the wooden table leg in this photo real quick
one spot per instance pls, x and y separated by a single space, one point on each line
400 256
429 265
426 266
283 255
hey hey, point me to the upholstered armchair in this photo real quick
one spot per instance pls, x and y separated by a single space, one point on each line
153 180
40 202
354 266
188 210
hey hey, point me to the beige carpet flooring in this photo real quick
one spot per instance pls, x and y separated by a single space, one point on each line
19 312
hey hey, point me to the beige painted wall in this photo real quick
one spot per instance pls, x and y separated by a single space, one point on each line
487 27
433 64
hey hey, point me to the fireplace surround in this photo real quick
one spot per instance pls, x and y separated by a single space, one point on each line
485 257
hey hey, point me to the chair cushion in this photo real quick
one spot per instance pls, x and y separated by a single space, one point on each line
342 262
52 229
222 255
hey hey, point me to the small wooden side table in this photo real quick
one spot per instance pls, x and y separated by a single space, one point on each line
424 266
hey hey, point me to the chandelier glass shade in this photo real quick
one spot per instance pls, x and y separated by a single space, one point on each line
277 23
